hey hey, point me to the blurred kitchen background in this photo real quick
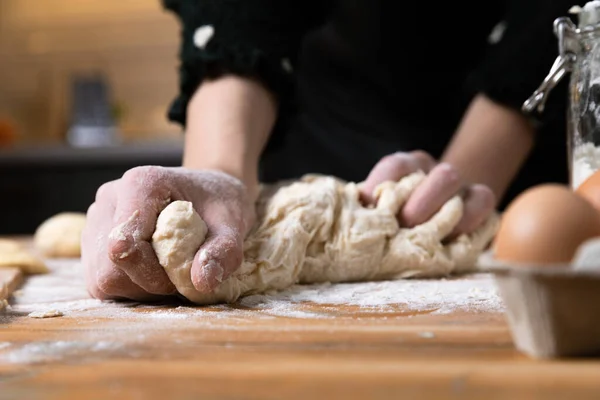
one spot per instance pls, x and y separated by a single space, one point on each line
84 91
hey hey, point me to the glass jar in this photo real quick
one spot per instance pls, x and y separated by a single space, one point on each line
579 55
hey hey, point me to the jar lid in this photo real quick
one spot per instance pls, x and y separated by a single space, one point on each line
588 15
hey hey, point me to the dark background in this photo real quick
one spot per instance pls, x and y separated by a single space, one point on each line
37 183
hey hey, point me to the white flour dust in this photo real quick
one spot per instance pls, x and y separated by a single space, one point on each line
52 351
476 293
586 161
126 325
63 290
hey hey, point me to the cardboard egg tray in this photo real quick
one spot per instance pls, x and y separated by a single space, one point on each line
552 311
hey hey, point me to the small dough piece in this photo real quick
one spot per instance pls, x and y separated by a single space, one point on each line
316 230
13 254
60 236
45 314
10 246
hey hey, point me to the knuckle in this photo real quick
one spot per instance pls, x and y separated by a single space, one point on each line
486 196
449 173
119 248
158 286
143 174
398 162
226 247
92 209
421 156
96 293
384 162
106 281
104 189
148 181
235 255
399 158
134 174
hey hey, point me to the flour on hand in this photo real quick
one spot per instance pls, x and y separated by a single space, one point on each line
316 230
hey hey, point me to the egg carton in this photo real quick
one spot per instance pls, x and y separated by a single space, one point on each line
553 311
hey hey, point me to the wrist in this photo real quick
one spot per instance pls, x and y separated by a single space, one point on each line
246 173
229 122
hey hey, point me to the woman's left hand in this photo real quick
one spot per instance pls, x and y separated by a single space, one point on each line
442 183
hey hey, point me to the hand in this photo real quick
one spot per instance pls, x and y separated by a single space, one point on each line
443 182
116 250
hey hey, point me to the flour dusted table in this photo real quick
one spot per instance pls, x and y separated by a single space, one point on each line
309 351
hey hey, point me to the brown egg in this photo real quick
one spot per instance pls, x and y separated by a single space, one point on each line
590 189
545 225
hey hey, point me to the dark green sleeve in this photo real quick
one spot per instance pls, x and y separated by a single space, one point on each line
520 60
254 38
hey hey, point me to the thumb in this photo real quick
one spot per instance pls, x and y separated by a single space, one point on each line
220 255
129 246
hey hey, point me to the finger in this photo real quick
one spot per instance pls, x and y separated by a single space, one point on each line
105 190
222 252
479 203
143 194
424 159
104 280
441 184
111 283
393 168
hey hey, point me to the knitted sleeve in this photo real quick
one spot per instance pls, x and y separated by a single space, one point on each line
520 57
254 38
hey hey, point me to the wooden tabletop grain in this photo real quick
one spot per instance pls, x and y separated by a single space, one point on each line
170 351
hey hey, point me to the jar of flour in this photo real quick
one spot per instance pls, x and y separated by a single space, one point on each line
579 55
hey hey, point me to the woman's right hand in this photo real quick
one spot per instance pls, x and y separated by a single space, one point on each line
117 254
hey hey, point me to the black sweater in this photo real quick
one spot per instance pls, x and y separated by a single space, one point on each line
358 79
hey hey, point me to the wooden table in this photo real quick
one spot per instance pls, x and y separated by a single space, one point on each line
175 351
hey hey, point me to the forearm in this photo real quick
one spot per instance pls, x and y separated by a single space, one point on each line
229 122
490 145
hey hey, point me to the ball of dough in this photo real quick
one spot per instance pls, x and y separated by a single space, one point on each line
60 236
179 233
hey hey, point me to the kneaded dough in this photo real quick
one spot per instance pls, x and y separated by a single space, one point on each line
316 230
60 235
13 254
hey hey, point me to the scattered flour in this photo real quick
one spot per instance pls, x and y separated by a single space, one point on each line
126 325
476 293
586 161
64 291
36 352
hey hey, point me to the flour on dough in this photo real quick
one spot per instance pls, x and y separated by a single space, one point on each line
60 235
179 233
316 230
13 254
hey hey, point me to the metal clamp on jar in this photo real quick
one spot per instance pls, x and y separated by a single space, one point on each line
579 54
